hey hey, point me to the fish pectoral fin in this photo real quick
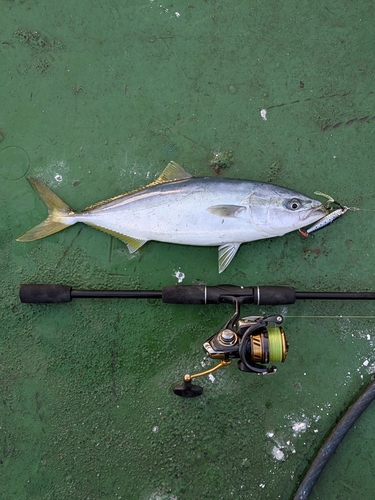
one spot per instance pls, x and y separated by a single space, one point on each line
233 211
226 254
173 172
133 244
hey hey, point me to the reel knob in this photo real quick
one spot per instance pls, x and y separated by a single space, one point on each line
188 389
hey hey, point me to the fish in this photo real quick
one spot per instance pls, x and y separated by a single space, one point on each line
182 209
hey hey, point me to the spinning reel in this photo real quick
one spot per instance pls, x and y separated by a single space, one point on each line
254 341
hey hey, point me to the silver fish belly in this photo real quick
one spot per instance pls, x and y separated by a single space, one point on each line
179 208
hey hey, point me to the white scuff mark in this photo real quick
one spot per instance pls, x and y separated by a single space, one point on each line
211 377
263 114
282 447
179 275
278 454
162 496
299 427
164 9
55 169
284 311
285 439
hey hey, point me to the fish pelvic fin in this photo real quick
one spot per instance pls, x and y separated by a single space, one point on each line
58 212
226 254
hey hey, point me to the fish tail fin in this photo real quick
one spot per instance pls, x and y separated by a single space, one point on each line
58 213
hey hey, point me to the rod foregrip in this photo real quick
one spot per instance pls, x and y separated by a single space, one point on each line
45 294
274 295
184 294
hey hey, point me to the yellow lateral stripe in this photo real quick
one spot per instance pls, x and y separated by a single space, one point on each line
172 172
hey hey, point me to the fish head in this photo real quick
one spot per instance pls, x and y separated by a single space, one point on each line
283 210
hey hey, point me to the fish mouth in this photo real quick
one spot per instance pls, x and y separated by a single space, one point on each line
316 210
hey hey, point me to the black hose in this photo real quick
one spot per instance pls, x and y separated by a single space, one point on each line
334 439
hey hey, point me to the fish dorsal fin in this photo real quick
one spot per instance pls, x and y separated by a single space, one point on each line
173 172
226 254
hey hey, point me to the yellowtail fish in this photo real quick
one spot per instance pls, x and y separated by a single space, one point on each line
180 208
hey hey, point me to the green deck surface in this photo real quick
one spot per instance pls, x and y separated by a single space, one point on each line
96 98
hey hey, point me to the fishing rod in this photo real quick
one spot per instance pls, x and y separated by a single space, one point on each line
255 341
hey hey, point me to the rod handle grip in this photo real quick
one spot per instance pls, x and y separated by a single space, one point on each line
45 294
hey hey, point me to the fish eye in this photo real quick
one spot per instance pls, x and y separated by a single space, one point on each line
293 204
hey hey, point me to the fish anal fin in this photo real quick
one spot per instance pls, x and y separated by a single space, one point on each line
173 172
226 254
224 211
133 244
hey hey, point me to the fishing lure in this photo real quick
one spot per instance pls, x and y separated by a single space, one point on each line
324 221
327 219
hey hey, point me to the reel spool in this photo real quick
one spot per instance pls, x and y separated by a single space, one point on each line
261 343
254 341
268 346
